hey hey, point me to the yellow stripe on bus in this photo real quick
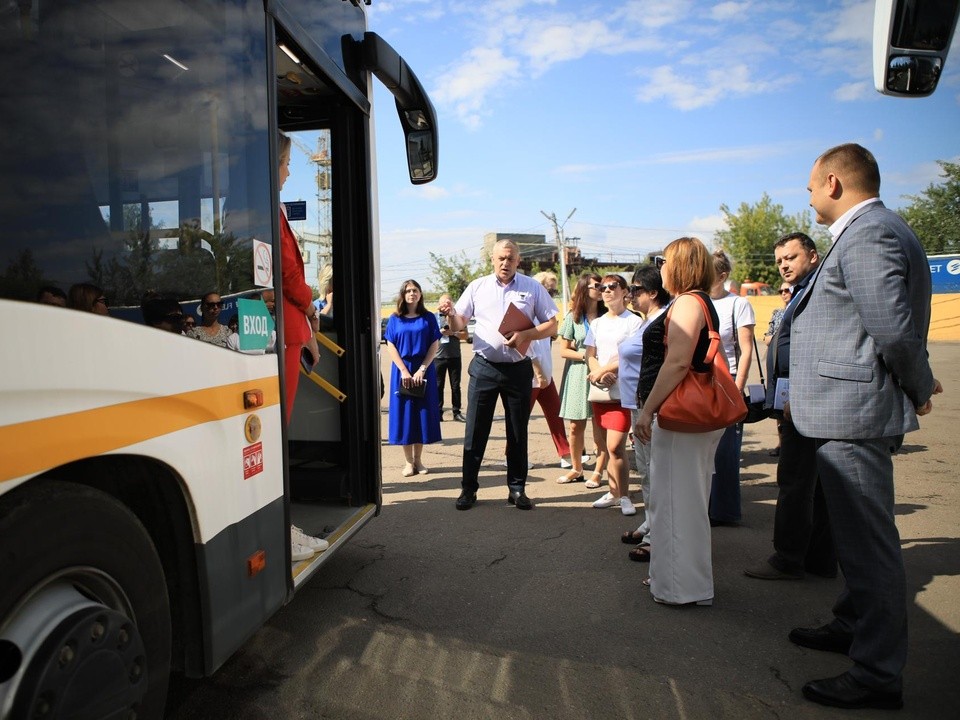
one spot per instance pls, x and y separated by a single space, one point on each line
34 446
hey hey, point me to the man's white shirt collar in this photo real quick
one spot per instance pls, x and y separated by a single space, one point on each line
844 220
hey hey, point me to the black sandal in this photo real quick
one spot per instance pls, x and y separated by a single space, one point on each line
630 538
641 553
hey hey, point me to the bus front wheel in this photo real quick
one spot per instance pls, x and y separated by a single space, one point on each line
84 613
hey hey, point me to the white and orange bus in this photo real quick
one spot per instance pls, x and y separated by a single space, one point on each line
148 481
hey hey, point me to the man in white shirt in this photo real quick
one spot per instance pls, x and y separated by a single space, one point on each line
498 368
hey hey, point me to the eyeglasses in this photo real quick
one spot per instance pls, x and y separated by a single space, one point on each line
218 304
636 289
659 261
604 287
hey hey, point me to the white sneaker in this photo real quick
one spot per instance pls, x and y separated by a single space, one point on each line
298 536
299 552
606 500
626 507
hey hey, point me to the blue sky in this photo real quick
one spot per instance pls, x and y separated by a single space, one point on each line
645 115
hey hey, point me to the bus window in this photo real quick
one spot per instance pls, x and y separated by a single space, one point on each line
155 181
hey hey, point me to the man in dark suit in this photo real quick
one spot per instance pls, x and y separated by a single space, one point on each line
859 377
801 528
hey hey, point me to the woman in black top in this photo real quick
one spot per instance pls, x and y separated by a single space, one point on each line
681 464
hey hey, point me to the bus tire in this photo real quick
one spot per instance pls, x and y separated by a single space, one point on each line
84 613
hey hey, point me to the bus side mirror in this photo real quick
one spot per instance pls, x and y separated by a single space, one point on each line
911 39
417 116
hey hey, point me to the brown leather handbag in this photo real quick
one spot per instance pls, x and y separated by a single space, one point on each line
703 401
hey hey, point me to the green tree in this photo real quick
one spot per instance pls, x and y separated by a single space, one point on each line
22 278
751 233
453 274
934 215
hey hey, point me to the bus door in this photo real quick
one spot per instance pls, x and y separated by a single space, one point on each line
333 438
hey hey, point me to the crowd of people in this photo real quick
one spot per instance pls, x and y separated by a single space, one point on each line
847 376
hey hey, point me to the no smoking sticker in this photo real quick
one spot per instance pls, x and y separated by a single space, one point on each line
262 264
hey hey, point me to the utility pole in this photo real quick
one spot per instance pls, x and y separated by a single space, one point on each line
558 236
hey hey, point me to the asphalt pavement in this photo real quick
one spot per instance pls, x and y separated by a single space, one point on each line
500 613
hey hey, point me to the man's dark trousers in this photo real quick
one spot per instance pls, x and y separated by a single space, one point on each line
801 529
488 382
453 366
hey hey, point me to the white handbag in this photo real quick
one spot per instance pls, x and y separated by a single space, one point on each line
604 393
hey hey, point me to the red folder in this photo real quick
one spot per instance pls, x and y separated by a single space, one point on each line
514 320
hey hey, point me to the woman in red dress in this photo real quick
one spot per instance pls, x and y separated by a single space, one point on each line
300 325
300 321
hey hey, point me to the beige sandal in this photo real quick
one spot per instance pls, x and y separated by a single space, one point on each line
594 481
570 477
409 470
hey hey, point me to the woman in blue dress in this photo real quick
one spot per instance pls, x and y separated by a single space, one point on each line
413 336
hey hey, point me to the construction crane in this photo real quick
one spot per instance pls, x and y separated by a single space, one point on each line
321 158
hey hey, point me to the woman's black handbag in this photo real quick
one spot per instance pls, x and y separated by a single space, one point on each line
755 410
417 391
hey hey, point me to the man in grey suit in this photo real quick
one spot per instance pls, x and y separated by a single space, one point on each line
859 377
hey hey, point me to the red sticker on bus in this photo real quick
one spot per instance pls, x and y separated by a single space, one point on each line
252 460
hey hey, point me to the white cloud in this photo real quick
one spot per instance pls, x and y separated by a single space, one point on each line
852 24
431 192
653 14
547 45
724 11
709 88
916 178
853 91
465 86
709 224
748 153
736 154
878 134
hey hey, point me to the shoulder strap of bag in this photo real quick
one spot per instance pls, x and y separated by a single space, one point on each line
756 355
736 334
736 342
712 334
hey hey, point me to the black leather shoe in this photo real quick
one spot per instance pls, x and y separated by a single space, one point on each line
458 416
843 691
822 638
519 499
466 500
828 573
766 571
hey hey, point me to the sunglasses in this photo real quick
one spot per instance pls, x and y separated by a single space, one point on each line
784 291
213 304
659 261
593 286
604 287
636 289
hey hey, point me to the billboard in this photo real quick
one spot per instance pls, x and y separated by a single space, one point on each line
945 273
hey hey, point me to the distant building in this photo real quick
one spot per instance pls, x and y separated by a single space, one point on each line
537 250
